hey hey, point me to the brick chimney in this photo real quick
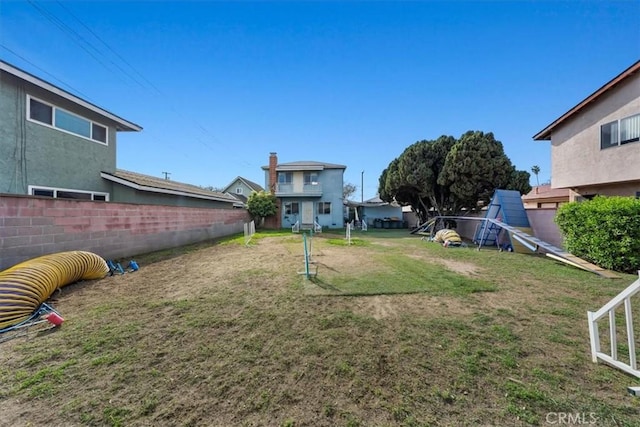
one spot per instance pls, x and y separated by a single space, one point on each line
273 177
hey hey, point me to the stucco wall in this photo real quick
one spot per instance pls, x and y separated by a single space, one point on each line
544 227
332 187
625 189
33 154
33 226
576 157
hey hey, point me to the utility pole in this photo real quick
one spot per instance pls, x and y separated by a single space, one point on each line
166 175
362 187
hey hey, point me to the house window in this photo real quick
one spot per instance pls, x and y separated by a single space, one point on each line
40 112
620 132
609 135
310 177
49 115
324 208
72 123
42 192
630 129
285 177
291 208
62 193
239 190
98 133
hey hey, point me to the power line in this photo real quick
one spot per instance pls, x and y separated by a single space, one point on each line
45 71
97 53
70 32
105 44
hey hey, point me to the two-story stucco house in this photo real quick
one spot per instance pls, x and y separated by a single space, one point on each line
56 144
307 192
53 143
595 146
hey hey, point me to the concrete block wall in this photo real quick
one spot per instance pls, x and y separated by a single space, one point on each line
34 226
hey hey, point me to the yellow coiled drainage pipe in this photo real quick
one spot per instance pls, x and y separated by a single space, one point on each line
25 286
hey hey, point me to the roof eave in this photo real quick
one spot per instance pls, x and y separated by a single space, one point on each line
545 134
139 187
122 124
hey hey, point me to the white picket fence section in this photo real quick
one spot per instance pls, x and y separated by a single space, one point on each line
609 311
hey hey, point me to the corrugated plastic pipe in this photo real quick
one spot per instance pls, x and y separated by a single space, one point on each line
25 286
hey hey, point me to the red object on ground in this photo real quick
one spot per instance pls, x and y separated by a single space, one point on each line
54 319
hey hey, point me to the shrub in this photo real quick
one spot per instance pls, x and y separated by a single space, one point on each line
604 231
261 204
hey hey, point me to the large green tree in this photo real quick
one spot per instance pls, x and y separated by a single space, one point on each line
447 175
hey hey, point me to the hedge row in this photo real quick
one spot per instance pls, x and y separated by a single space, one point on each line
604 231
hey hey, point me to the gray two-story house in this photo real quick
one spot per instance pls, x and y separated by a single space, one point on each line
56 144
53 143
308 193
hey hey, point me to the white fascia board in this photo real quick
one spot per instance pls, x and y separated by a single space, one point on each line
125 124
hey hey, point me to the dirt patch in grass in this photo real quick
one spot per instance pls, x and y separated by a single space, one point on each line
464 268
397 306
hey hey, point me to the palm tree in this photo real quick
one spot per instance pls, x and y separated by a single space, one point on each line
536 170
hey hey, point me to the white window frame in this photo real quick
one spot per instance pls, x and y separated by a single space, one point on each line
619 132
32 188
239 190
53 120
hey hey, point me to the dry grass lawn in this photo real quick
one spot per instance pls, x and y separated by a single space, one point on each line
394 331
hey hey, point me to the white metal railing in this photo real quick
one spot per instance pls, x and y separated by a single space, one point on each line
312 189
609 310
295 228
249 231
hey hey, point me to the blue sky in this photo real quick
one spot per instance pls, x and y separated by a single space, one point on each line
217 86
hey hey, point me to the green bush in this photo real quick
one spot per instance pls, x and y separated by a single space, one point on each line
261 204
604 231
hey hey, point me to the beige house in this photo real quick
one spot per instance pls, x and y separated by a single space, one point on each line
545 197
595 146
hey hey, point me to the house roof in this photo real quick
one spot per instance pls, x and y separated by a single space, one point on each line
252 185
241 197
545 134
305 165
372 203
545 192
152 184
121 124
